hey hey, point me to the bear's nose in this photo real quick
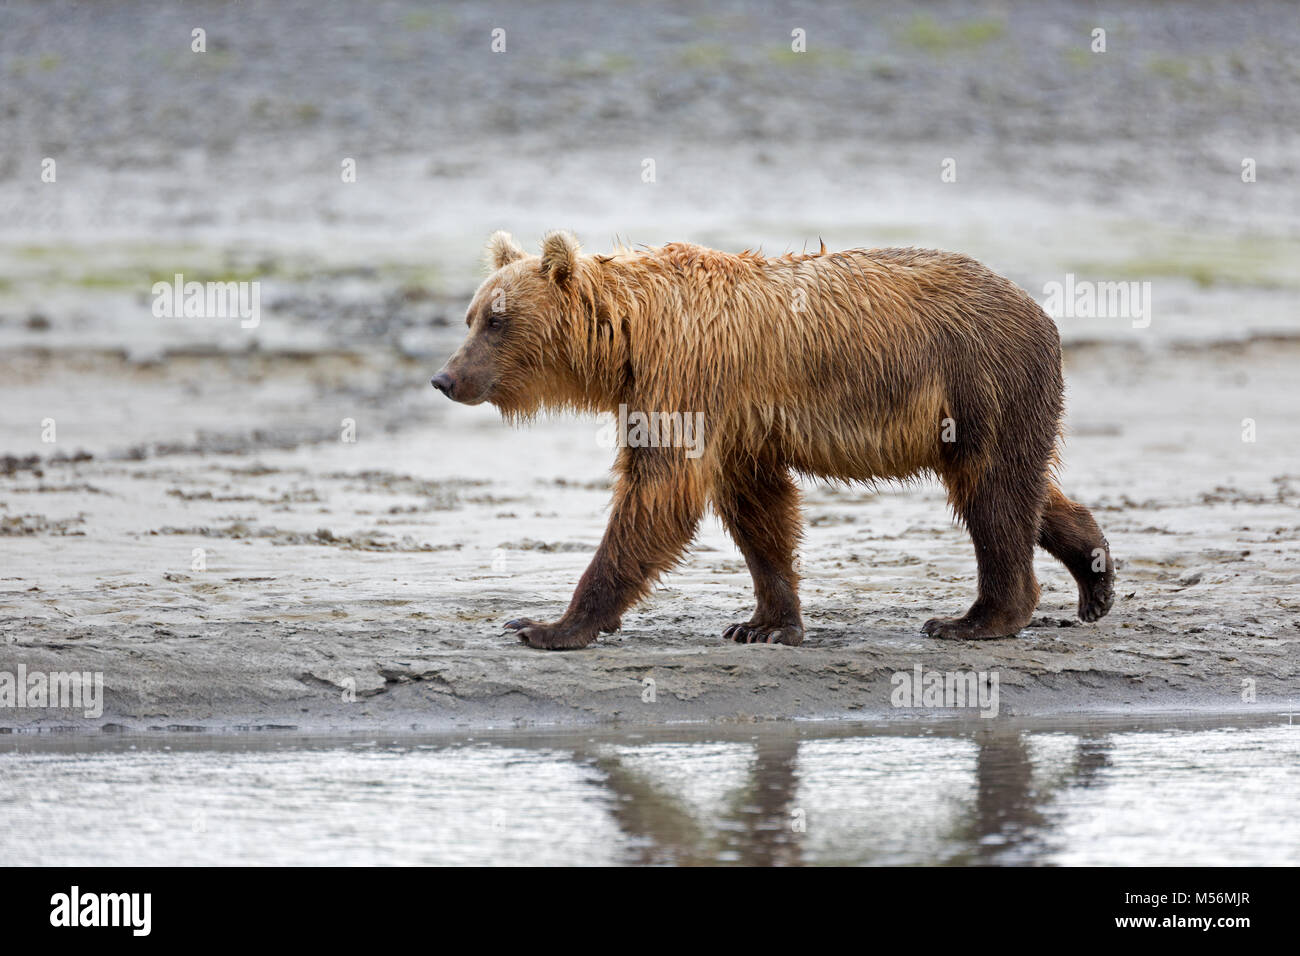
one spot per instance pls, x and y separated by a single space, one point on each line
443 383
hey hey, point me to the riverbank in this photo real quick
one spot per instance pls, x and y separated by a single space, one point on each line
363 585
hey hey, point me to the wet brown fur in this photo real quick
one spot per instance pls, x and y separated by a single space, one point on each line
840 365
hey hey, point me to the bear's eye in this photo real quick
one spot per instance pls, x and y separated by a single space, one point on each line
495 323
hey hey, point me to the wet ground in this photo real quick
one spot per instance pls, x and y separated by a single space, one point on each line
387 565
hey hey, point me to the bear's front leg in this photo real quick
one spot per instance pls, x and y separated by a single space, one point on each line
759 506
658 503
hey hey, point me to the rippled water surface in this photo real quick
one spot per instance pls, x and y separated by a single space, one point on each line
1161 793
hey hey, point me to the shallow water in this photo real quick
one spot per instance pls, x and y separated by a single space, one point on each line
1103 793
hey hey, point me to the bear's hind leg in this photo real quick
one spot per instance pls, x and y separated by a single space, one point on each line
1002 513
759 506
1070 534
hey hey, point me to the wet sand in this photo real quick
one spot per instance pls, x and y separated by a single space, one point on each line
386 567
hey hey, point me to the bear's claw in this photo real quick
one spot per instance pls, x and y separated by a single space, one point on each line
550 637
1096 601
749 633
963 629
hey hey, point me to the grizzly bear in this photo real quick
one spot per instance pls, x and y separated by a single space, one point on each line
861 365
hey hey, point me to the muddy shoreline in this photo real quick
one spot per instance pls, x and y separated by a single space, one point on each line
361 586
237 526
328 687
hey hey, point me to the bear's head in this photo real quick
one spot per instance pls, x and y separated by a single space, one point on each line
539 333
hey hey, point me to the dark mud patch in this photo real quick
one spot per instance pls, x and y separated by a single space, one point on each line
362 541
15 526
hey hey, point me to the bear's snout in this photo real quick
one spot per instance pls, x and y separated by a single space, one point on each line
443 383
462 384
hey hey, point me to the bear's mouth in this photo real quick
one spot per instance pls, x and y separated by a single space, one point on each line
462 389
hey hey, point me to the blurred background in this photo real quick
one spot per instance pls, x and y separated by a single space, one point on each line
1118 164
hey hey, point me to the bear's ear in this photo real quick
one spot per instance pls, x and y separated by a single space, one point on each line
560 255
503 250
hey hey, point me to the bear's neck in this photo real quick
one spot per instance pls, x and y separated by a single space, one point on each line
597 341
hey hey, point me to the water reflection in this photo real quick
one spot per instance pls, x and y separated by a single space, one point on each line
957 794
1009 822
977 797
755 820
